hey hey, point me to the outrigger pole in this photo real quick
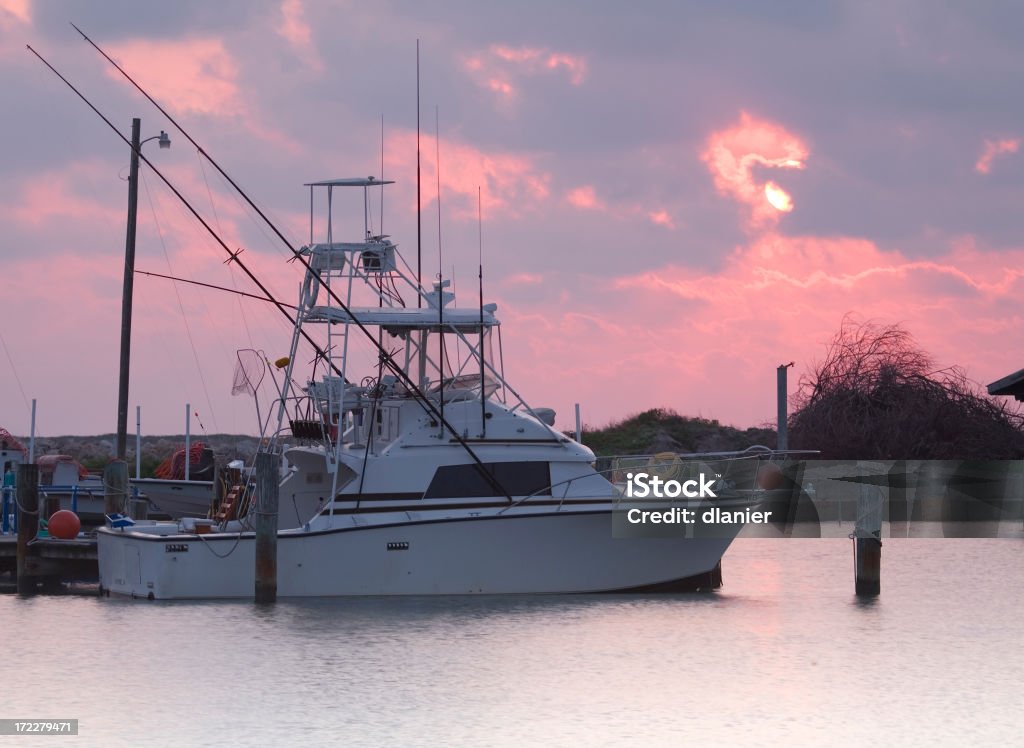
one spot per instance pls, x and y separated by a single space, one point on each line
214 286
392 366
480 228
419 209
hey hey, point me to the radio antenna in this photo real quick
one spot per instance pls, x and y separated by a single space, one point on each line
419 207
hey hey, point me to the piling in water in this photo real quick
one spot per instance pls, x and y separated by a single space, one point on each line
28 525
867 544
868 558
266 527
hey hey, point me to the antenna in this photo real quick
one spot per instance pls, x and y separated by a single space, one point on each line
419 207
440 270
483 390
437 158
380 226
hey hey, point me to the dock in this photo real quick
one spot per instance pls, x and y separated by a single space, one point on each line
51 562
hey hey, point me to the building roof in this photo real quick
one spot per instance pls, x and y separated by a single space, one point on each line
1012 384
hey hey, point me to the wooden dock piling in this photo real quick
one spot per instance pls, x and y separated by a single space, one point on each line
115 487
28 525
867 552
868 555
266 527
220 484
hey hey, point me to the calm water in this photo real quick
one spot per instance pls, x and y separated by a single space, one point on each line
783 654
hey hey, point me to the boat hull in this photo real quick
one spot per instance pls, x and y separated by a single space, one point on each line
177 498
560 552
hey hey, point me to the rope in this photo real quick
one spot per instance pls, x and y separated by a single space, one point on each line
238 539
15 372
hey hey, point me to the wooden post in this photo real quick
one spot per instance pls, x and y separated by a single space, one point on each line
868 533
115 487
868 553
138 508
220 477
28 525
782 401
266 527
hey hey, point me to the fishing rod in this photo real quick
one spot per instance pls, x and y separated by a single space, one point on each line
392 366
232 256
419 209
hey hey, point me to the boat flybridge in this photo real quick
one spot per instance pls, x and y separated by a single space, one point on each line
414 466
434 418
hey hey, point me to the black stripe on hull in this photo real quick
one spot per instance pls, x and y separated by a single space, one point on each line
704 582
362 509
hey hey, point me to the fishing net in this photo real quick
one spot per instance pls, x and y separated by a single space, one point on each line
9 442
200 459
249 372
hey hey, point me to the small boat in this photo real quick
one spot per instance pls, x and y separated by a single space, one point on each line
171 494
64 478
61 477
424 474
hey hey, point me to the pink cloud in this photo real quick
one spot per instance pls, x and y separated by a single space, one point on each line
720 334
519 55
529 279
296 30
501 86
194 75
512 183
576 66
992 149
15 12
732 154
661 218
584 198
498 67
72 193
166 361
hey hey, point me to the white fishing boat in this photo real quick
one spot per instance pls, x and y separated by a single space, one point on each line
430 476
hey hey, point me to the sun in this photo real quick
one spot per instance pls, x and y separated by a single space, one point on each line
778 197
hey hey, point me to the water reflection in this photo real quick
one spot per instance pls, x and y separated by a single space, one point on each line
784 652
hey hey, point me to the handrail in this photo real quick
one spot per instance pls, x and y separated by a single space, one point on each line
710 457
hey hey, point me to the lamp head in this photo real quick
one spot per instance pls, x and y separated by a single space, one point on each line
164 140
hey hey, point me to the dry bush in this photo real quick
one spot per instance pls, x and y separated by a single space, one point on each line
875 396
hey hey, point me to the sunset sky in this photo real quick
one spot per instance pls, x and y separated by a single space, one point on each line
677 197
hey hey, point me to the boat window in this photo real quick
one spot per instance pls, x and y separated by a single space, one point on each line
465 481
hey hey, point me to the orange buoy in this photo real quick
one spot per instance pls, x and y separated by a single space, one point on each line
64 524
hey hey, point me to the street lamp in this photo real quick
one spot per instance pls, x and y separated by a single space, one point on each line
129 276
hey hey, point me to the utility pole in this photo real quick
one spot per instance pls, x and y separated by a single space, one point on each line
129 280
126 294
